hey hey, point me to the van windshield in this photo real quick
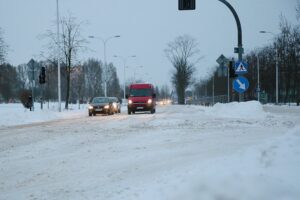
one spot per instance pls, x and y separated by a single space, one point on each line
140 92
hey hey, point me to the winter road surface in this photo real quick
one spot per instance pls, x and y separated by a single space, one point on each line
181 152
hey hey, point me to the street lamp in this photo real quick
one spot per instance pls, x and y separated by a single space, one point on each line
134 74
148 78
58 59
276 52
124 59
105 64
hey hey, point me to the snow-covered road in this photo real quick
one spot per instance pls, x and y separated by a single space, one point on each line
232 151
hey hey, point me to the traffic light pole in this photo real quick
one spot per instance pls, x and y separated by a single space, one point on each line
191 5
239 29
239 49
228 87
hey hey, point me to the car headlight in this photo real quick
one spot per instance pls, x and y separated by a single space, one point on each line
149 101
90 107
106 106
129 101
115 105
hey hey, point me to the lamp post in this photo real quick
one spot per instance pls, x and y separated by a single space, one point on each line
258 86
124 59
276 56
134 74
58 59
148 78
104 57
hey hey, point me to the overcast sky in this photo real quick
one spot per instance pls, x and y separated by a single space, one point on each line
145 28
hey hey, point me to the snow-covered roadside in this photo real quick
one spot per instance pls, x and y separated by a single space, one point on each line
16 114
236 151
266 171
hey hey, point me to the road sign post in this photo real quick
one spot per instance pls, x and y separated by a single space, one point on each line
241 68
240 84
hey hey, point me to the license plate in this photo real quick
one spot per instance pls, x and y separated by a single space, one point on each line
98 109
140 108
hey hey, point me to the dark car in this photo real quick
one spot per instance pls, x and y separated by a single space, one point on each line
116 104
101 105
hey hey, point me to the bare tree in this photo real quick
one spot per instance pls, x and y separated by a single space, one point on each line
113 81
93 78
77 78
71 43
22 71
298 10
3 48
8 82
182 53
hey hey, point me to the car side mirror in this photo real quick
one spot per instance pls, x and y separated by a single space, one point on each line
154 95
127 96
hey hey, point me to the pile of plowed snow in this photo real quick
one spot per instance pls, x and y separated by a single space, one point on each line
249 109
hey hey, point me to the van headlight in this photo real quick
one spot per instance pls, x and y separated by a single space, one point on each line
129 101
106 107
149 101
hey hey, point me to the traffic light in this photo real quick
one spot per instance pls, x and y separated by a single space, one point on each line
186 4
231 69
42 76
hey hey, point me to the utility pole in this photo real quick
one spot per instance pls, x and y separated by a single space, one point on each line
277 93
33 86
124 59
104 57
213 90
31 64
228 87
258 86
58 59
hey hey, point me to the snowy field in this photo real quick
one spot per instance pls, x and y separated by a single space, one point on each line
236 151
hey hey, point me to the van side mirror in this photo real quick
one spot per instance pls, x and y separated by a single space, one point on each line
154 95
126 96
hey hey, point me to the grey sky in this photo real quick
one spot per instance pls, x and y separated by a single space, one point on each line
145 28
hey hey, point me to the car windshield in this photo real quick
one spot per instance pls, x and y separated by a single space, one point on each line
100 100
113 99
140 92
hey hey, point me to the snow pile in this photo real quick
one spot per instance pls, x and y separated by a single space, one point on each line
16 114
250 109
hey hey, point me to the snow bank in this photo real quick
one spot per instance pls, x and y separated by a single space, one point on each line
16 114
246 110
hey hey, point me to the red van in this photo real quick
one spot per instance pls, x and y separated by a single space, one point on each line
141 97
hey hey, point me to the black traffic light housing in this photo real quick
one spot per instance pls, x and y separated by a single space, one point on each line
42 76
186 4
231 69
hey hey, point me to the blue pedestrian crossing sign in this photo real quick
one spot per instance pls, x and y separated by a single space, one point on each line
240 84
241 67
